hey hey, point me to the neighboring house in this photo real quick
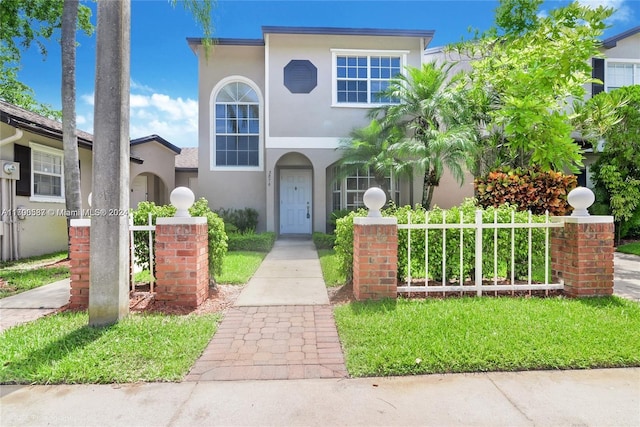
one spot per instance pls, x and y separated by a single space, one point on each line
619 67
272 112
32 144
187 168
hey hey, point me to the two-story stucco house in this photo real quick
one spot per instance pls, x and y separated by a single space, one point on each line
272 112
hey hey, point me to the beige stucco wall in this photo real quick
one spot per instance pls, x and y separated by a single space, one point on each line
159 166
628 48
187 179
312 114
228 189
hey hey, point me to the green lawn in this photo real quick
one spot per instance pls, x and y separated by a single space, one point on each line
239 266
630 248
63 349
330 273
30 273
488 334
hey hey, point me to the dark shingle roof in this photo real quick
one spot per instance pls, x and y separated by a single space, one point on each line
26 120
187 159
158 139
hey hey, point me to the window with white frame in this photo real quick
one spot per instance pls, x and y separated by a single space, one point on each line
237 126
347 193
621 74
47 173
360 77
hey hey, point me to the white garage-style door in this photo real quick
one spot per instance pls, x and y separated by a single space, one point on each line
295 201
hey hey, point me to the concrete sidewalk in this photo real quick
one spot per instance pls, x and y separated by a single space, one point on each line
609 397
289 275
33 304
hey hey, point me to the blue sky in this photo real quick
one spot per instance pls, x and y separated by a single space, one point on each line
164 76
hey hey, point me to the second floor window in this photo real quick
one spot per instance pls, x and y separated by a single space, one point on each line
237 126
360 78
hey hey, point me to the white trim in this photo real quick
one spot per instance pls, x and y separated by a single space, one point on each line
212 120
267 86
54 152
368 52
301 143
368 220
192 220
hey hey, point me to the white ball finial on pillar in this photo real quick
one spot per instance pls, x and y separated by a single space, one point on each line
581 198
374 199
182 198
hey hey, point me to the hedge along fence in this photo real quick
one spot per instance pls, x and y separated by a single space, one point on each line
217 236
344 242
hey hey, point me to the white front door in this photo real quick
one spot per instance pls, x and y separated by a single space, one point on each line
295 201
138 191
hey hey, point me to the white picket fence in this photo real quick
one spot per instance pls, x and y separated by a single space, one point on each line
481 282
149 229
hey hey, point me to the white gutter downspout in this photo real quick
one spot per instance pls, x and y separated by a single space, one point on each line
16 136
8 204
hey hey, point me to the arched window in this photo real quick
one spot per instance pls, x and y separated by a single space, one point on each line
237 126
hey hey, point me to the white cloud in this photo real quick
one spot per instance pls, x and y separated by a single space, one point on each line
174 119
623 13
137 86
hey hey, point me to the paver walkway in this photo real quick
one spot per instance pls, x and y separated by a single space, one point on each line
281 326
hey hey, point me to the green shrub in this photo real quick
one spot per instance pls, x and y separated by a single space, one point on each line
217 238
323 241
261 242
239 220
344 242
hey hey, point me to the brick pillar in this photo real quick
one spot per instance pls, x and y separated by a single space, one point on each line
182 262
375 258
79 255
582 255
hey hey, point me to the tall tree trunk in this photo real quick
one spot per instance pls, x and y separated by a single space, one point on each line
109 254
73 197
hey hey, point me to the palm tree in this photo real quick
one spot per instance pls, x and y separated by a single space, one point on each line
432 113
368 149
73 198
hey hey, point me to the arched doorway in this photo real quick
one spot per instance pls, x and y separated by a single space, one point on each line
147 187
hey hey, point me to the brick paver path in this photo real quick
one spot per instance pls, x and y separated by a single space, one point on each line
273 342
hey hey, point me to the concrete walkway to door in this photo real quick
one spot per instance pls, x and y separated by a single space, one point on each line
281 326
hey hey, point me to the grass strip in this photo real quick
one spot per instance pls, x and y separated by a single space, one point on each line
630 248
239 266
488 334
329 264
18 281
64 349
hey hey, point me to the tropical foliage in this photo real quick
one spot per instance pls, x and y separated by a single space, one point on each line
369 150
526 72
433 116
617 171
530 189
24 23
